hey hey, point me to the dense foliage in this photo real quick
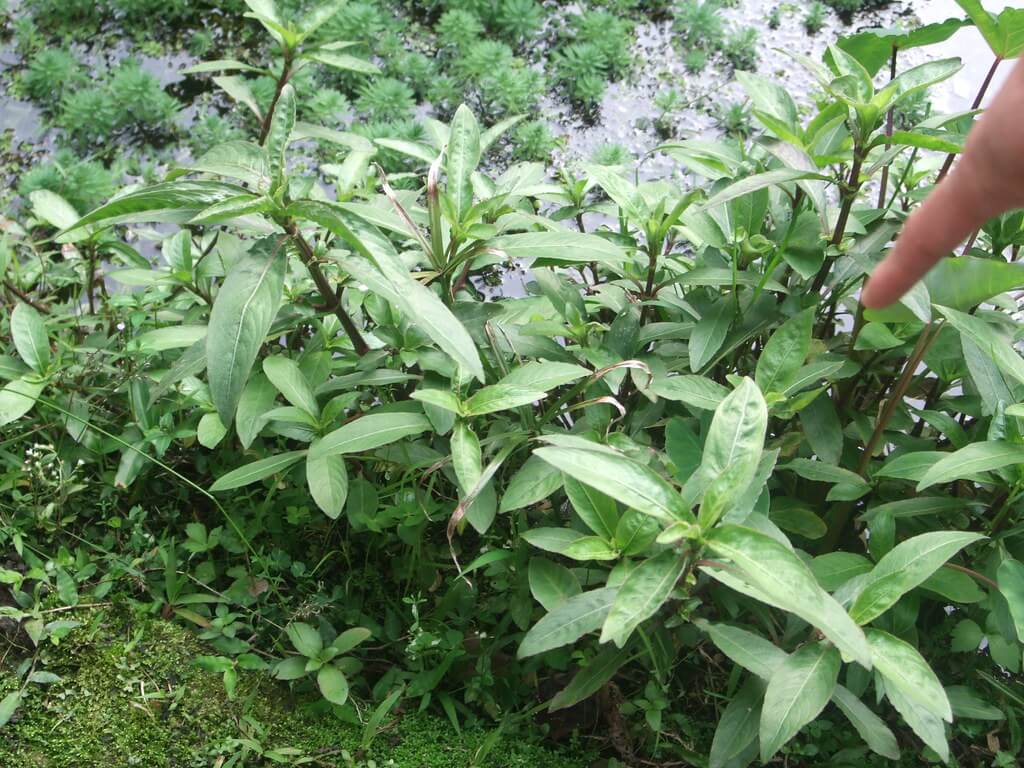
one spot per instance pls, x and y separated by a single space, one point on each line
674 484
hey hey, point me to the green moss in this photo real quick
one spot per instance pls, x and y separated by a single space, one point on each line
130 695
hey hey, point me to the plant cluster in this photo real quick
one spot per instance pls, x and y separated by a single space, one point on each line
703 33
681 486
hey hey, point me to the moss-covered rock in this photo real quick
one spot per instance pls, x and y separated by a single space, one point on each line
130 695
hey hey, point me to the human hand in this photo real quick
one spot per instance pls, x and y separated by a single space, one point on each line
987 180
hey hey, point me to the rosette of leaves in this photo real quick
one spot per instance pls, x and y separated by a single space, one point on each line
321 659
699 24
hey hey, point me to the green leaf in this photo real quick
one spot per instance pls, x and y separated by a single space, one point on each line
695 391
1011 584
906 566
772 100
344 62
759 181
834 569
873 47
17 398
332 684
596 509
591 548
256 470
736 733
285 374
797 518
750 651
53 209
735 441
500 397
643 592
256 400
620 477
787 581
558 248
467 460
462 158
174 201
534 482
8 705
350 638
210 431
551 584
241 317
369 432
591 678
872 729
963 282
379 267
621 192
797 692
785 352
967 637
572 619
544 375
926 725
1004 33
555 540
823 430
974 458
29 335
969 704
903 668
709 334
978 331
171 337
327 479
291 668
305 639
281 124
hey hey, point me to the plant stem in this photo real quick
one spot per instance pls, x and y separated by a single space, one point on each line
888 131
849 196
329 296
925 340
977 103
282 81
25 297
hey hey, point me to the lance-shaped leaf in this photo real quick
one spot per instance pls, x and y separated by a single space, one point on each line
971 459
903 667
378 266
369 432
256 470
785 581
906 566
618 476
241 317
644 591
571 620
462 158
29 335
797 692
173 201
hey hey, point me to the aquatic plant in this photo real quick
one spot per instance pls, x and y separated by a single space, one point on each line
532 141
814 19
458 28
612 154
699 24
695 60
51 72
740 48
385 99
518 20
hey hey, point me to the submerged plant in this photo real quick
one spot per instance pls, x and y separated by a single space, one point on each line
519 20
699 24
612 154
740 49
458 28
533 141
386 99
51 73
814 20
695 61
